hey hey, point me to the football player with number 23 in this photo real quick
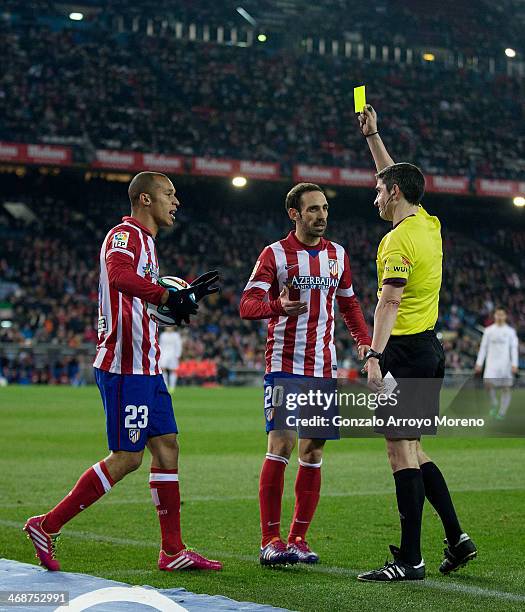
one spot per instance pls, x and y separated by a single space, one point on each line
137 404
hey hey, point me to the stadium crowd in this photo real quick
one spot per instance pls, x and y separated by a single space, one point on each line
99 84
470 27
54 296
103 90
466 26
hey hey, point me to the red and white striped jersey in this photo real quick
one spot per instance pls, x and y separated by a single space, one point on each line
129 270
305 344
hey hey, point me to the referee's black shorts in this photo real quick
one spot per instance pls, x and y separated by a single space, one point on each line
417 362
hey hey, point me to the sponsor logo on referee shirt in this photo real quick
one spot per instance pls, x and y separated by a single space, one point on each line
396 269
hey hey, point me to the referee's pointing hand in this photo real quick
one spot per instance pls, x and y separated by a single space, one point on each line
292 309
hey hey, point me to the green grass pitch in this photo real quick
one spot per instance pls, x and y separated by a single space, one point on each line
51 435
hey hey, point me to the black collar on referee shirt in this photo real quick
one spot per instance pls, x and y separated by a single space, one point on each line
399 222
133 221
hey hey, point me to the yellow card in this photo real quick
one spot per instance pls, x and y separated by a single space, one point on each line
359 98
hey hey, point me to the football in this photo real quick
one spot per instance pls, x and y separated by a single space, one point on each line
160 314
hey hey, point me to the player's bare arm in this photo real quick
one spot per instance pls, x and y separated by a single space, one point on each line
368 125
384 319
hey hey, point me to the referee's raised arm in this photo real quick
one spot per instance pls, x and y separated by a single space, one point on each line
368 125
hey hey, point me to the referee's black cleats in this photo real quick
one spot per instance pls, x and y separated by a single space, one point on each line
459 555
395 571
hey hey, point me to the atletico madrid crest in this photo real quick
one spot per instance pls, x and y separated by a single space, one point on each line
333 267
134 435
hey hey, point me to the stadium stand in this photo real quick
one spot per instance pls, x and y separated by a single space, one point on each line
98 89
463 26
103 83
53 296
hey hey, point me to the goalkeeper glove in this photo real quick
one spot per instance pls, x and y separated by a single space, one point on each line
181 304
201 286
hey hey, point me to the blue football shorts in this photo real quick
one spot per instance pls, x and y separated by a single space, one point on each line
280 389
137 407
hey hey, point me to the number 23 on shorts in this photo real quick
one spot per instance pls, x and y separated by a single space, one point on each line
136 417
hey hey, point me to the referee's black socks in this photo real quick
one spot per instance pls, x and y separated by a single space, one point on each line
410 492
438 495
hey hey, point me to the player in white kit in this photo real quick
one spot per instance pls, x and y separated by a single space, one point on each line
499 353
170 342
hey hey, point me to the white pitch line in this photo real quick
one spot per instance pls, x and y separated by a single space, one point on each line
227 498
446 587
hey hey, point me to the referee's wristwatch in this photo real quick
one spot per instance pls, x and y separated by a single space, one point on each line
374 354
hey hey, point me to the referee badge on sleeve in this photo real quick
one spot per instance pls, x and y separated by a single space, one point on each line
397 265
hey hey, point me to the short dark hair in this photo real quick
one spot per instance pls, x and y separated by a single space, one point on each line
293 197
143 182
499 307
407 177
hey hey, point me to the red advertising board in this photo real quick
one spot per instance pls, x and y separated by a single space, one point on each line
212 166
35 154
132 161
49 154
356 177
215 166
447 184
315 174
118 160
12 152
267 171
171 164
499 188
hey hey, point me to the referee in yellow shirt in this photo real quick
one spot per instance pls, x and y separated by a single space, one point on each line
409 265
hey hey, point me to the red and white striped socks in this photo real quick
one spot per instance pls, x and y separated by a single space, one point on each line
164 485
91 486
